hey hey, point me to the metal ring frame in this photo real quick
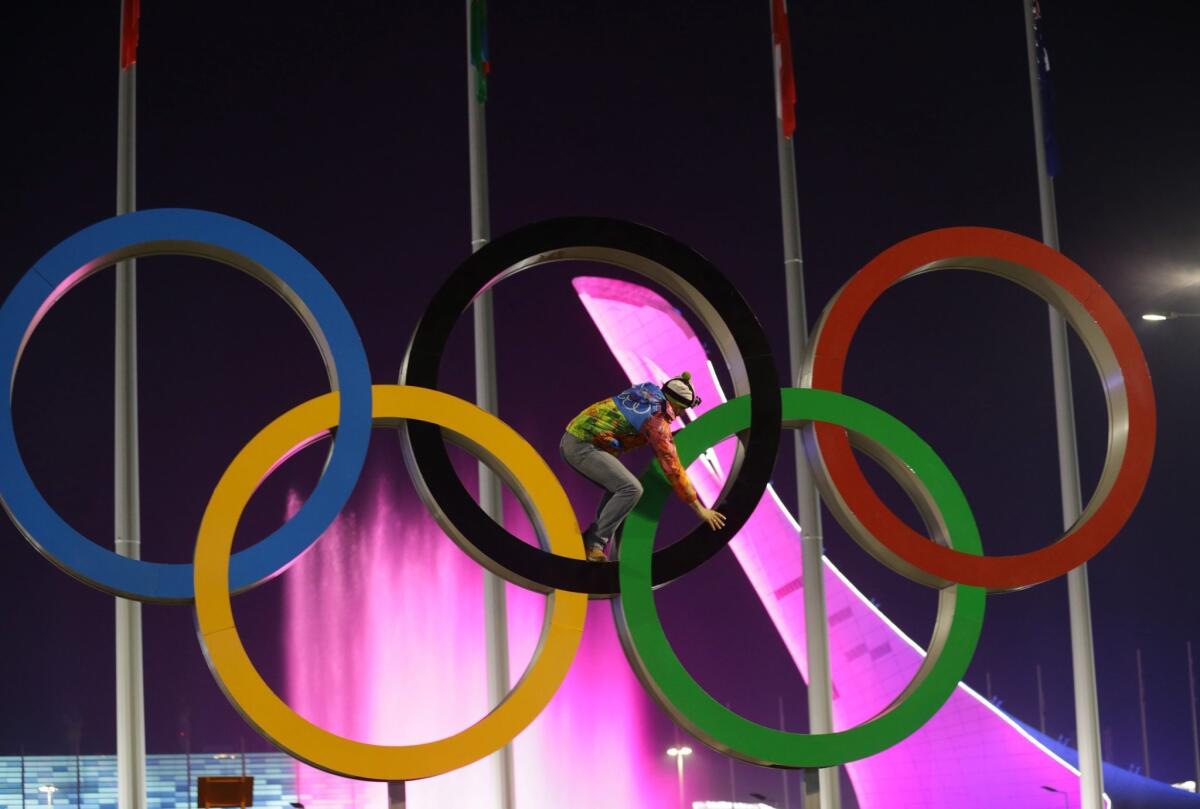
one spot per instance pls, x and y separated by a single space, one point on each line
931 486
176 231
491 441
1114 350
661 259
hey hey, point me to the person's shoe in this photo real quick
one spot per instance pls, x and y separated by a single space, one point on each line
590 538
596 553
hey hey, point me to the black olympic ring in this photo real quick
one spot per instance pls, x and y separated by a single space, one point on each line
679 269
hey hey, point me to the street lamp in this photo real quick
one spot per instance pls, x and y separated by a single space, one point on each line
1157 316
1066 800
678 753
48 790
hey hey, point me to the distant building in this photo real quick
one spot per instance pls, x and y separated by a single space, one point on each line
93 783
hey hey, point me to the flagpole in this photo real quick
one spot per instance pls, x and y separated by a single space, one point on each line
823 788
1195 729
783 774
1083 656
131 725
1041 701
1142 712
486 394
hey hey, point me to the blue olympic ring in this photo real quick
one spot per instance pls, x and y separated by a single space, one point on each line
250 249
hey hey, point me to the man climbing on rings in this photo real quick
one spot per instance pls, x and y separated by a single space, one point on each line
635 417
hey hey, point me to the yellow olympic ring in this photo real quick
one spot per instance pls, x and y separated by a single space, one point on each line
489 439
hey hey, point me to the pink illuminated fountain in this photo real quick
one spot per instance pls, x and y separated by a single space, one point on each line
384 643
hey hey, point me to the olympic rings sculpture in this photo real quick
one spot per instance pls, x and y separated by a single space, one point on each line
834 424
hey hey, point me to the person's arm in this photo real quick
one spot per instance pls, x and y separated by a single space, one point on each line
658 435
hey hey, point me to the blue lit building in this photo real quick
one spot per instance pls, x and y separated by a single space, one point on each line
90 782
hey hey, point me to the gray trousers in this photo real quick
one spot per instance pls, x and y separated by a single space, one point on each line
621 489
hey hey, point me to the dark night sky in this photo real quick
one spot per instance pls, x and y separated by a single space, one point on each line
340 127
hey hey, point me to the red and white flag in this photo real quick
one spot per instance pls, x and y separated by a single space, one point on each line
785 98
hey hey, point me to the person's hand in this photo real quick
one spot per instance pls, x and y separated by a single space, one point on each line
715 519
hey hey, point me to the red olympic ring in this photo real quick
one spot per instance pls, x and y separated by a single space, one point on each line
1095 318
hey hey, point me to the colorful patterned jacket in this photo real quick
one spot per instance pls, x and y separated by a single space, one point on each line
633 418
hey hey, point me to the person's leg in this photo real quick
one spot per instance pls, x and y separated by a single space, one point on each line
622 489
591 537
624 497
600 506
573 451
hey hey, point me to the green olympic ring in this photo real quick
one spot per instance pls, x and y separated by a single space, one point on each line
960 607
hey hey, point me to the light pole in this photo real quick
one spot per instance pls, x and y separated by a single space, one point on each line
678 753
1066 800
48 790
